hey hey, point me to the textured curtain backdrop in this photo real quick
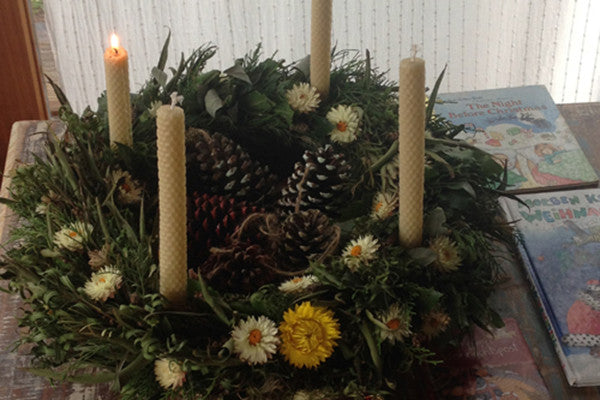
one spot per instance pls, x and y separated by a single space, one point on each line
485 43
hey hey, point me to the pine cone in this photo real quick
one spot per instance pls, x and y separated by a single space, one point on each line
326 174
218 166
306 236
240 268
211 222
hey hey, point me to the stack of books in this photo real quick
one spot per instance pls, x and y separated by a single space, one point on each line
556 211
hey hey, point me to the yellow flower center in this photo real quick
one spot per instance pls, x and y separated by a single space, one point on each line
102 280
72 234
254 337
393 324
378 206
356 251
341 126
302 96
297 280
309 335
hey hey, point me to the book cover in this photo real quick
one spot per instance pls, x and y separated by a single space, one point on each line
523 129
560 247
504 367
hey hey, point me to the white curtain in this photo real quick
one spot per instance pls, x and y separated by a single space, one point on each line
485 43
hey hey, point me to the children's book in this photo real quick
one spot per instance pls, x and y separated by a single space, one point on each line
560 247
523 129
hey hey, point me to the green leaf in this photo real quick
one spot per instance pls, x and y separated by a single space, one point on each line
464 185
212 102
162 61
429 298
160 76
433 96
422 255
434 222
258 102
238 72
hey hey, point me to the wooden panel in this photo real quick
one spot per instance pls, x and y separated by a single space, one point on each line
21 91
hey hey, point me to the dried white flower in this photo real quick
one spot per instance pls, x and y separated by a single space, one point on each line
169 373
73 236
103 284
345 120
303 98
255 339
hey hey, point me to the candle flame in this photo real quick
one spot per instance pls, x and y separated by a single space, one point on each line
114 41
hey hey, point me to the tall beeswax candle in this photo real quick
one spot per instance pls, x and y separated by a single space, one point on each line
320 45
172 256
411 147
116 69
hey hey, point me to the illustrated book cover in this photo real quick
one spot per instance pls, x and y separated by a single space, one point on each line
504 367
560 247
524 130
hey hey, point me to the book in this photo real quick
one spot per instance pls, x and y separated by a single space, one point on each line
523 129
560 247
495 364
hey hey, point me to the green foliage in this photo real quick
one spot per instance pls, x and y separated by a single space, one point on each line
76 180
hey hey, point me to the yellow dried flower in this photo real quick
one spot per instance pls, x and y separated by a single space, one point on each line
308 335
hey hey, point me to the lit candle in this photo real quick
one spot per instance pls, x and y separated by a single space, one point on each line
172 252
320 45
411 147
117 93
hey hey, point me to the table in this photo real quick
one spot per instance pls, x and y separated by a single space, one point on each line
512 299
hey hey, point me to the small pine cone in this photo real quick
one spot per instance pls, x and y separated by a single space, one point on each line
326 173
239 268
211 222
217 165
306 236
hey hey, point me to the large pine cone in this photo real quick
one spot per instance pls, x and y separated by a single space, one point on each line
307 235
326 174
211 222
217 165
240 268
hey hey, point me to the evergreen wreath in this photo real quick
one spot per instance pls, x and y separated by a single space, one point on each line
298 287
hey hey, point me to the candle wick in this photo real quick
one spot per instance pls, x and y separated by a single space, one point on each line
116 50
175 99
413 51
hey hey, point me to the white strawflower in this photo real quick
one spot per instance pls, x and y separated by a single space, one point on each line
361 250
168 373
255 339
446 250
345 120
384 205
303 98
397 321
103 284
298 284
129 191
73 236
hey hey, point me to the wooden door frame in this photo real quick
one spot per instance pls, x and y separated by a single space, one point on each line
22 92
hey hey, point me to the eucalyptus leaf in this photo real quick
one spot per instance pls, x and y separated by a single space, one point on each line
463 185
212 102
303 65
434 222
237 71
160 76
423 255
